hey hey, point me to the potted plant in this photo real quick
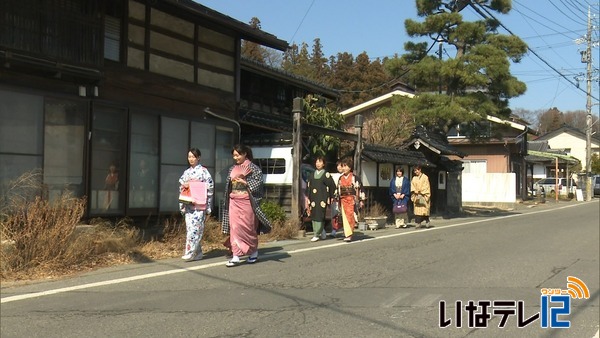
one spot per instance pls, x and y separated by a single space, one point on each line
376 214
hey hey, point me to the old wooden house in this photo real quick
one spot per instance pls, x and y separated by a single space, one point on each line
106 96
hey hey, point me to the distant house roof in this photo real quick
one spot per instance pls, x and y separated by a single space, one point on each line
538 145
434 141
375 102
569 130
266 70
245 31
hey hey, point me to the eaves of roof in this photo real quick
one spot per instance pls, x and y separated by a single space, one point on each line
382 154
455 141
282 75
436 142
551 156
374 102
245 31
274 122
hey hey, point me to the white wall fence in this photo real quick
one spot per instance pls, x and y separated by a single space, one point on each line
489 189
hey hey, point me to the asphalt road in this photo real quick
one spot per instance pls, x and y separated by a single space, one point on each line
389 283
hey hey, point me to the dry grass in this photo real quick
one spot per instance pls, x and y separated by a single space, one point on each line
375 209
42 240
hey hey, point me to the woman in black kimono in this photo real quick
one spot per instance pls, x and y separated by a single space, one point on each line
321 188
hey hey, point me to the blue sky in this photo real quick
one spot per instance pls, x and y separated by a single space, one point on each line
549 27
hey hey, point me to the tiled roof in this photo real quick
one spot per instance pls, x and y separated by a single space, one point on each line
382 154
312 86
269 121
541 145
449 165
436 140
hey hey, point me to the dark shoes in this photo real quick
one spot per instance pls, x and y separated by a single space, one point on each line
426 226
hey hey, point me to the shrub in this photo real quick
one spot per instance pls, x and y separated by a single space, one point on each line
275 213
39 235
38 231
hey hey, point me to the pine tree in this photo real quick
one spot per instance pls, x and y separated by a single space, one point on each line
476 80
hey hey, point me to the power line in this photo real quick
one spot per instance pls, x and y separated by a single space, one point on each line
568 8
302 21
528 48
576 6
560 56
550 27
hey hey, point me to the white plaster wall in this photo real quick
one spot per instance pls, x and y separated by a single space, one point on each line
489 187
576 144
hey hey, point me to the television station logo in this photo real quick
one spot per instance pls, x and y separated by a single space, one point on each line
555 305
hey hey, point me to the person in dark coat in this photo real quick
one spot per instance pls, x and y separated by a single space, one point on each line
321 189
400 194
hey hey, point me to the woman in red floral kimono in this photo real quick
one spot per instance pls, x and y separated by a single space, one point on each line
351 196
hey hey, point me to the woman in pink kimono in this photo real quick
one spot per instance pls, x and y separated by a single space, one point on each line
243 219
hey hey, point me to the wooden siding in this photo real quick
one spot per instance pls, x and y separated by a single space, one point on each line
172 23
172 68
66 32
137 10
171 45
167 45
216 39
135 58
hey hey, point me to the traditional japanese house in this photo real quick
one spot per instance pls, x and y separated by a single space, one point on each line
119 89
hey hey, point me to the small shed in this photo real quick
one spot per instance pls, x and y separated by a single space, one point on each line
446 176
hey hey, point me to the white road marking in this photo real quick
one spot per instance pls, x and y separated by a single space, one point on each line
395 300
211 265
427 300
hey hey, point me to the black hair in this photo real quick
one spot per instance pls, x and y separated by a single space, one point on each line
195 151
322 159
243 149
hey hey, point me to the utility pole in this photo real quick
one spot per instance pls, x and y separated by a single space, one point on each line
440 41
588 130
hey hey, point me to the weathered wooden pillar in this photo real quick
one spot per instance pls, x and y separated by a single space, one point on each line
358 126
296 158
